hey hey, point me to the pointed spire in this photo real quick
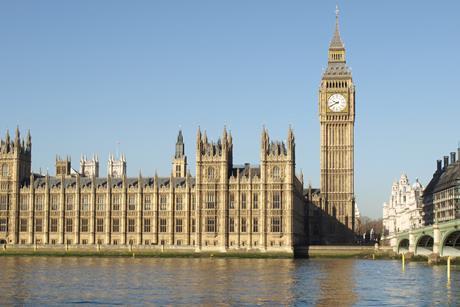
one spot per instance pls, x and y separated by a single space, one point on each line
28 140
336 42
205 137
180 138
290 135
7 139
198 135
16 135
180 147
224 134
229 138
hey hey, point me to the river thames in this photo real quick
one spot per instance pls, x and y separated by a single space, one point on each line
159 281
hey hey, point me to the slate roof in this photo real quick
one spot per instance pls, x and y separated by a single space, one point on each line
55 182
245 170
446 178
336 42
335 70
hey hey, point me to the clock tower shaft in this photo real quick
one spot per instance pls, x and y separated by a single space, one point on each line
337 143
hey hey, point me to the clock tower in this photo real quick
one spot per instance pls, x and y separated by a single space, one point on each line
337 119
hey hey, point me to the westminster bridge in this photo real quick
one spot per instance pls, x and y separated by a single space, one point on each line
442 239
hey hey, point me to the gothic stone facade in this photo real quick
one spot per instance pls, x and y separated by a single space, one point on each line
224 207
335 205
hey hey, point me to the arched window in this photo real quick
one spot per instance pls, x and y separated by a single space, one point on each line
5 170
276 172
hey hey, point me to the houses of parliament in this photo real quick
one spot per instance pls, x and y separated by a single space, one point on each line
223 207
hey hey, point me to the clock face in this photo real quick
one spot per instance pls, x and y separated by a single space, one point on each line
336 103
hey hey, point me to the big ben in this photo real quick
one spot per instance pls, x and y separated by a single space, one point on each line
337 120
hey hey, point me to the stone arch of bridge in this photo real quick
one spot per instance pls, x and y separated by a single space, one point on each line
424 245
403 246
451 243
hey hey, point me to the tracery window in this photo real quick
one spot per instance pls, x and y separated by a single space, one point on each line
5 170
276 172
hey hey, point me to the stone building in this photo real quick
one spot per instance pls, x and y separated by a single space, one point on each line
441 198
332 207
224 207
404 210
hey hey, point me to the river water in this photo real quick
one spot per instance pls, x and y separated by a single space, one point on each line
128 281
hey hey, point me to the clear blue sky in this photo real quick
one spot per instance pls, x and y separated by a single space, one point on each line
83 75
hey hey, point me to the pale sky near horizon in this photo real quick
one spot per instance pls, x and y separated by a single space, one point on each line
83 75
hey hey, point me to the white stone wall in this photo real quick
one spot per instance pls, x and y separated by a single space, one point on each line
403 211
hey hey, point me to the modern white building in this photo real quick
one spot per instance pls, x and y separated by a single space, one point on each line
404 209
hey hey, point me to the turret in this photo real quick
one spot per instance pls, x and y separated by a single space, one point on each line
28 141
180 159
63 166
336 47
116 168
89 167
291 143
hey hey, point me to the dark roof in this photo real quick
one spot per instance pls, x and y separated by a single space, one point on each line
55 182
313 191
245 170
444 179
337 70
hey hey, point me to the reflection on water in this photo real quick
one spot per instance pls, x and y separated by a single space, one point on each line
340 282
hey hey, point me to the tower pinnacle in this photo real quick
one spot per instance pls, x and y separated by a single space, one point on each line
336 42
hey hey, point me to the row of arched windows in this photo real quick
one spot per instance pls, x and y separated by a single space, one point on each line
336 84
336 56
